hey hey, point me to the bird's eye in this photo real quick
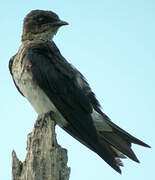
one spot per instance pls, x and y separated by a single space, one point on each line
41 19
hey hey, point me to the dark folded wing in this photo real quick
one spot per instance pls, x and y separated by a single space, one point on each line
56 78
72 103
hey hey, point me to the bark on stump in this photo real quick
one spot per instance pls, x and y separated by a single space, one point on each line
45 159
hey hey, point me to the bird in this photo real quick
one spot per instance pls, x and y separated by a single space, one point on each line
51 84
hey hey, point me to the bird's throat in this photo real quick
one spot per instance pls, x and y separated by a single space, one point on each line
46 36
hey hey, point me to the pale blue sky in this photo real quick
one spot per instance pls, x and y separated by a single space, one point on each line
112 44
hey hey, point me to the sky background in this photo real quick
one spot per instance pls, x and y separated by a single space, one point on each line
112 43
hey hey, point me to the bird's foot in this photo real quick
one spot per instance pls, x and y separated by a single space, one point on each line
41 120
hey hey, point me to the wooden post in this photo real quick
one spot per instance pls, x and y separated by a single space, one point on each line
45 159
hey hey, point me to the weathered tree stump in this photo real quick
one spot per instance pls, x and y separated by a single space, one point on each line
45 159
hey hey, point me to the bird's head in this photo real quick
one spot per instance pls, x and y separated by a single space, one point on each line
40 24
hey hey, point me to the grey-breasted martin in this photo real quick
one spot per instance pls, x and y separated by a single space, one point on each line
50 83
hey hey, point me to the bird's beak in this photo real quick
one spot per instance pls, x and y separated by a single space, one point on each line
60 23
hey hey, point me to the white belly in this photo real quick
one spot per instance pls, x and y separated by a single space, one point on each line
36 96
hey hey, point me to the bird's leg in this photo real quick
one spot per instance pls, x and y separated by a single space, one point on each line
41 120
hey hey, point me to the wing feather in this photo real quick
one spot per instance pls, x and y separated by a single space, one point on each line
57 79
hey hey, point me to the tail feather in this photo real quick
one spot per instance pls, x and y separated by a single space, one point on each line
119 154
108 153
123 133
119 162
113 142
119 143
